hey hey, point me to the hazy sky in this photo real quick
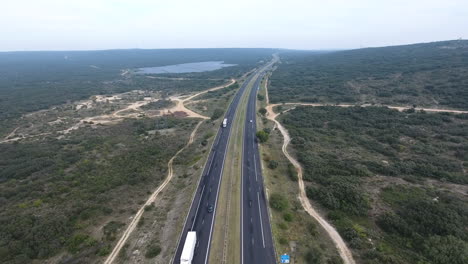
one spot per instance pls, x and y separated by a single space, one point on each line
296 24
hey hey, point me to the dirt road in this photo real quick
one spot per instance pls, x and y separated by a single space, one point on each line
343 249
151 199
399 108
133 111
180 100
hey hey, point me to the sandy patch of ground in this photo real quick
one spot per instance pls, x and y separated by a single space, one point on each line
132 110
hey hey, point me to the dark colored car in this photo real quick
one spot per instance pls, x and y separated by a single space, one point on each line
210 208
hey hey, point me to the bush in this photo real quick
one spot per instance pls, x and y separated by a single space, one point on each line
340 194
79 241
262 136
312 228
217 113
149 207
314 256
283 241
278 202
292 173
152 251
104 251
288 217
272 164
283 226
449 249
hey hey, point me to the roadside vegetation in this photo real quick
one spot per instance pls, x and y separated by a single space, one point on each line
393 183
428 74
57 195
294 231
73 175
156 235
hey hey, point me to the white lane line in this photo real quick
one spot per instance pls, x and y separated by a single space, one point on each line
217 193
255 168
261 224
209 167
242 204
198 207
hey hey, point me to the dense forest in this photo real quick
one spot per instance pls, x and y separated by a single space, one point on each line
429 74
31 81
53 193
393 183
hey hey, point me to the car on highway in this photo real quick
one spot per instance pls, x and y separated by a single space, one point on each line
210 208
251 121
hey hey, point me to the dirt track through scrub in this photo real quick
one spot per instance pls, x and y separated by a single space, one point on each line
151 199
399 108
343 249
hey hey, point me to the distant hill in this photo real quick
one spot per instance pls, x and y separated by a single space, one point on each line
429 74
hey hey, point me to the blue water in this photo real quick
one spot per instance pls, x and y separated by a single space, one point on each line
185 67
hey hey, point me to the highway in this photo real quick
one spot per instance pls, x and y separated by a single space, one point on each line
256 238
199 219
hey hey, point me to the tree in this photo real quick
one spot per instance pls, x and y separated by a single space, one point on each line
272 164
262 136
217 113
314 255
262 111
278 202
446 249
152 251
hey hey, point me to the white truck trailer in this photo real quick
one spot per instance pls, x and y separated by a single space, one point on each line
189 248
225 122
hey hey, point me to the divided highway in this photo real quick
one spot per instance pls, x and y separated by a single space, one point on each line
257 243
256 238
199 218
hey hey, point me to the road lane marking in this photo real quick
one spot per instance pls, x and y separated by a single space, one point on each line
255 168
219 185
209 167
198 207
261 224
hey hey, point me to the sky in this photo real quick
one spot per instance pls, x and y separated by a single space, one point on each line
292 24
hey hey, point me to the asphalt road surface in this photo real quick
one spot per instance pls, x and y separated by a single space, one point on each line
256 238
199 219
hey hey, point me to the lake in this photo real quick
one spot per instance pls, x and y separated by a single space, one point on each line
185 67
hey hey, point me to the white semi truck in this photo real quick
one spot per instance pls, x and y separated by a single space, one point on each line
225 122
189 248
